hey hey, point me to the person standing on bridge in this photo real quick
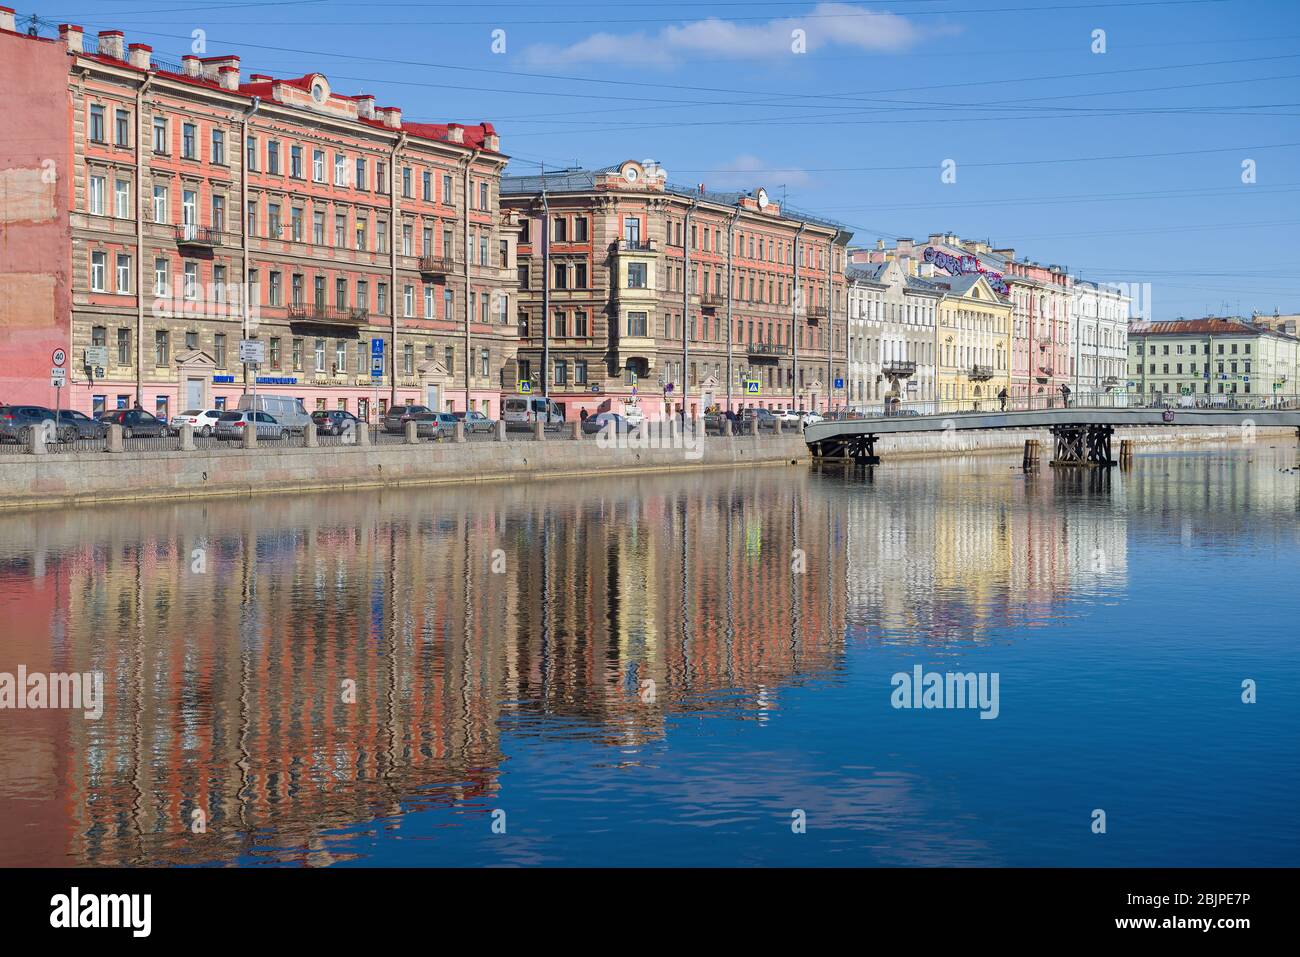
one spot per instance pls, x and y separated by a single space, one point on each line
1002 398
1065 395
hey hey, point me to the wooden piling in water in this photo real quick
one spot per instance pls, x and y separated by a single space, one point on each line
1030 462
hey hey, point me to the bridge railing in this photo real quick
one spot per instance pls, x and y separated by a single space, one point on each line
1039 403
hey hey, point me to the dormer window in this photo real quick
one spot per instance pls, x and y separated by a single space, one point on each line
318 91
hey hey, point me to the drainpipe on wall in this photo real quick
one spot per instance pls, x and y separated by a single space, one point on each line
794 322
686 304
245 293
469 311
544 234
139 238
392 264
731 249
830 327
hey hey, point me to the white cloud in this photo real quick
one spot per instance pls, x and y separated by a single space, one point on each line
747 171
828 25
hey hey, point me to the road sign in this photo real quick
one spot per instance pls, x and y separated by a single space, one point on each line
96 356
839 383
753 387
525 387
668 388
58 377
252 351
59 357
376 347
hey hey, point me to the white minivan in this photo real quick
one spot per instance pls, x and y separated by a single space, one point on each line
287 410
521 411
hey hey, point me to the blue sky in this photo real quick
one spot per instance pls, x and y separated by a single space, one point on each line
858 125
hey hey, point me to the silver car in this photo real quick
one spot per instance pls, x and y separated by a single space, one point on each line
232 424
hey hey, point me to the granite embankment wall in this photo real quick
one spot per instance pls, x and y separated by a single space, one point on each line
97 477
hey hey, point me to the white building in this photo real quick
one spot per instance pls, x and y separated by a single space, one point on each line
891 335
1099 317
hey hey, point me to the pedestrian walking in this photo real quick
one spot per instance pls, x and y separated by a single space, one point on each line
1002 398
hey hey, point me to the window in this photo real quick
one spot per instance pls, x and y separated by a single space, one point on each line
295 162
580 372
251 215
446 190
160 278
123 273
579 275
406 239
318 227
98 187
381 177
449 359
160 135
340 170
580 229
319 355
97 124
122 128
483 195
340 293
428 302
560 327
561 277
251 148
580 324
124 347
272 157
636 324
426 186
297 355
273 220
189 208
318 165
408 301
219 213
632 230
273 353
218 147
341 230
122 199
191 288
361 182
406 181
295 224
98 268
559 229
191 340
408 359
636 276
381 297
296 288
161 348
340 356
561 372
189 141
275 296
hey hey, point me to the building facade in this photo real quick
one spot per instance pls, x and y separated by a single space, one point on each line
1212 360
193 208
637 293
891 336
1099 329
974 341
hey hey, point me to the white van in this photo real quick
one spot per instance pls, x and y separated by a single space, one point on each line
521 411
286 410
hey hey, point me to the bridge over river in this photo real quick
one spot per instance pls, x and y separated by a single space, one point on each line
1081 431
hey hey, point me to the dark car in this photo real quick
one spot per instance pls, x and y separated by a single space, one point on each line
395 418
476 422
765 418
17 422
78 425
135 422
334 421
597 423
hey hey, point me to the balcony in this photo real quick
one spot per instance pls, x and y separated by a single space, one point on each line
632 246
980 373
766 351
710 301
321 314
1110 381
433 267
816 314
197 237
899 370
1044 374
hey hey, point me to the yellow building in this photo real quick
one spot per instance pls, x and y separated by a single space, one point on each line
973 341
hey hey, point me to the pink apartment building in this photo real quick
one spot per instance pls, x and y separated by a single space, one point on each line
155 215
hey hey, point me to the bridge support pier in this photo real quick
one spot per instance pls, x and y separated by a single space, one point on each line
861 449
1086 446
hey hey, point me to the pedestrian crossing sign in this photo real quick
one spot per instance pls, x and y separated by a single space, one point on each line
525 387
753 387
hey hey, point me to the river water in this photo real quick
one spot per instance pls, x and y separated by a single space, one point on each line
691 669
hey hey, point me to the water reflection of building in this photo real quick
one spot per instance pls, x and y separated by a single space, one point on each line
226 686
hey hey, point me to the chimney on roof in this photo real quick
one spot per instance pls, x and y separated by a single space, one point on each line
1006 253
228 77
70 34
392 117
366 106
140 54
191 66
7 19
111 43
880 244
213 65
455 133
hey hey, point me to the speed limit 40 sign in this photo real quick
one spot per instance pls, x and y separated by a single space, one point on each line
59 357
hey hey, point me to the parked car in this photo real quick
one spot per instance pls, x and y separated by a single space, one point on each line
204 421
287 411
476 422
78 425
334 421
432 425
809 417
765 418
521 411
787 416
232 424
395 418
135 422
601 420
18 421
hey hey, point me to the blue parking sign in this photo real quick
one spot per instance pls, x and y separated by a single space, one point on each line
839 383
